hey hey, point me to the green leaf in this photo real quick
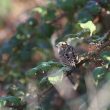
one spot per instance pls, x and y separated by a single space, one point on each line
105 55
50 15
108 76
88 25
80 2
43 80
45 30
31 72
32 22
9 99
84 16
2 103
99 72
44 66
93 7
65 4
56 75
41 10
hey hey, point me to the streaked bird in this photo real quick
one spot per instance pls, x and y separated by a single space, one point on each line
67 54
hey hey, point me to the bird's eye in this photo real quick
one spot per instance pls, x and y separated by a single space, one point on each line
62 45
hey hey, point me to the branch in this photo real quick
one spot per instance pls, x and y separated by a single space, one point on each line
90 57
102 47
17 107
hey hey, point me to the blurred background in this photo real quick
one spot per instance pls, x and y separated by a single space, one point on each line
29 32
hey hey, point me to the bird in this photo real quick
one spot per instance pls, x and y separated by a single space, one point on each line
67 54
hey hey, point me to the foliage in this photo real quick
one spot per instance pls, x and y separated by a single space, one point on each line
80 22
44 66
9 99
88 25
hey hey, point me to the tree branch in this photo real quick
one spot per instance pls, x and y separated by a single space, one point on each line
90 57
17 107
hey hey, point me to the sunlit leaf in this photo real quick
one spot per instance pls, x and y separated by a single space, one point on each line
106 55
41 10
56 76
88 25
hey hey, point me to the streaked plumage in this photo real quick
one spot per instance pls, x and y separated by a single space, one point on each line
67 54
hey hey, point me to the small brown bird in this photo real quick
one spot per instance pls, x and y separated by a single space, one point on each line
67 54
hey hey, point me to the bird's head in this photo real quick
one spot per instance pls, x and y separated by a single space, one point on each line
61 45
